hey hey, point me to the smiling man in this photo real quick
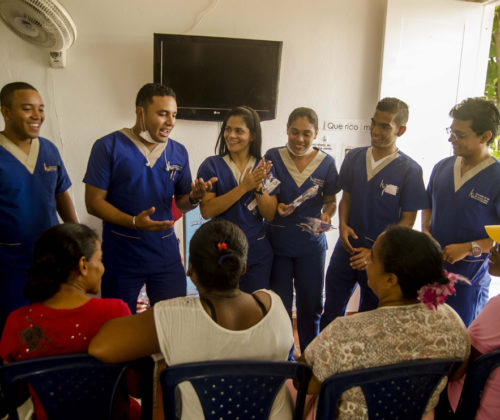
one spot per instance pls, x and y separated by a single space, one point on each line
381 186
33 189
131 178
465 195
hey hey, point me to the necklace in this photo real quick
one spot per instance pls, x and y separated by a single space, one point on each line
234 294
204 297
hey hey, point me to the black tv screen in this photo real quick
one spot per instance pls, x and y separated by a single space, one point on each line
211 75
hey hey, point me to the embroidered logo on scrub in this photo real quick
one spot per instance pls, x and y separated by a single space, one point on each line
172 169
479 197
50 168
317 181
388 188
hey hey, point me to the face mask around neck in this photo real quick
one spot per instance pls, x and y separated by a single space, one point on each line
301 154
145 135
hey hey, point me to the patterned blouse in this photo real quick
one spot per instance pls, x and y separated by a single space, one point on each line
385 336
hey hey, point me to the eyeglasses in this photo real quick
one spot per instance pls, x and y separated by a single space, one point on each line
456 136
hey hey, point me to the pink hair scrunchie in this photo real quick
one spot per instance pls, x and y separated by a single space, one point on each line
434 294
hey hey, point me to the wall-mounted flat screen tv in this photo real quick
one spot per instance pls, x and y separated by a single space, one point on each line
211 75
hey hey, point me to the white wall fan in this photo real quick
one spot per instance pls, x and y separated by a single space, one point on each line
44 23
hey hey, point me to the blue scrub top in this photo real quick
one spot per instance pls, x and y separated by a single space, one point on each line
378 202
251 224
118 166
27 201
460 216
287 238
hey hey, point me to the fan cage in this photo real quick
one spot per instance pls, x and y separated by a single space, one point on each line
50 17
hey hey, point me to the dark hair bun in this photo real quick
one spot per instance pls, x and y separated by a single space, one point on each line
414 257
217 253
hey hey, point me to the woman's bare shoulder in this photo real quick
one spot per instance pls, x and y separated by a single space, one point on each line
265 297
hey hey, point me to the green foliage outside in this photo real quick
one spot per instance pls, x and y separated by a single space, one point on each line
491 90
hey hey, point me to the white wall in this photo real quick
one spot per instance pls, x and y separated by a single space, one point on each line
435 55
331 60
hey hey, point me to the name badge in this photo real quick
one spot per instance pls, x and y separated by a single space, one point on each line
388 188
317 181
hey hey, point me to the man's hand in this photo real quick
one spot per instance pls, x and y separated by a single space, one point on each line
345 232
144 222
360 259
456 252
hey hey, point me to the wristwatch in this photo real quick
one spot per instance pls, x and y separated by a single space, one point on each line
194 202
476 249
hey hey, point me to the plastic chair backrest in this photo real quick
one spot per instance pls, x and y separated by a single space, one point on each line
69 386
399 391
3 397
236 389
472 391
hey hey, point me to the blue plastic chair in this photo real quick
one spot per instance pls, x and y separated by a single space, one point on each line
399 391
75 386
472 391
236 389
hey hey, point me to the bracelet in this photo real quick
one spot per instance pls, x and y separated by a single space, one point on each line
133 222
193 201
259 192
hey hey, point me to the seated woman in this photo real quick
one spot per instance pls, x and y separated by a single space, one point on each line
484 337
223 322
405 265
62 319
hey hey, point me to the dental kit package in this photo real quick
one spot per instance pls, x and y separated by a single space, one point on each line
268 186
315 226
310 193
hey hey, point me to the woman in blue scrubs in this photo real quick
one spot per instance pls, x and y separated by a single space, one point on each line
299 257
240 171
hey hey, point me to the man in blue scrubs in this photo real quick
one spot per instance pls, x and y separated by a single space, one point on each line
465 195
381 186
33 189
131 178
